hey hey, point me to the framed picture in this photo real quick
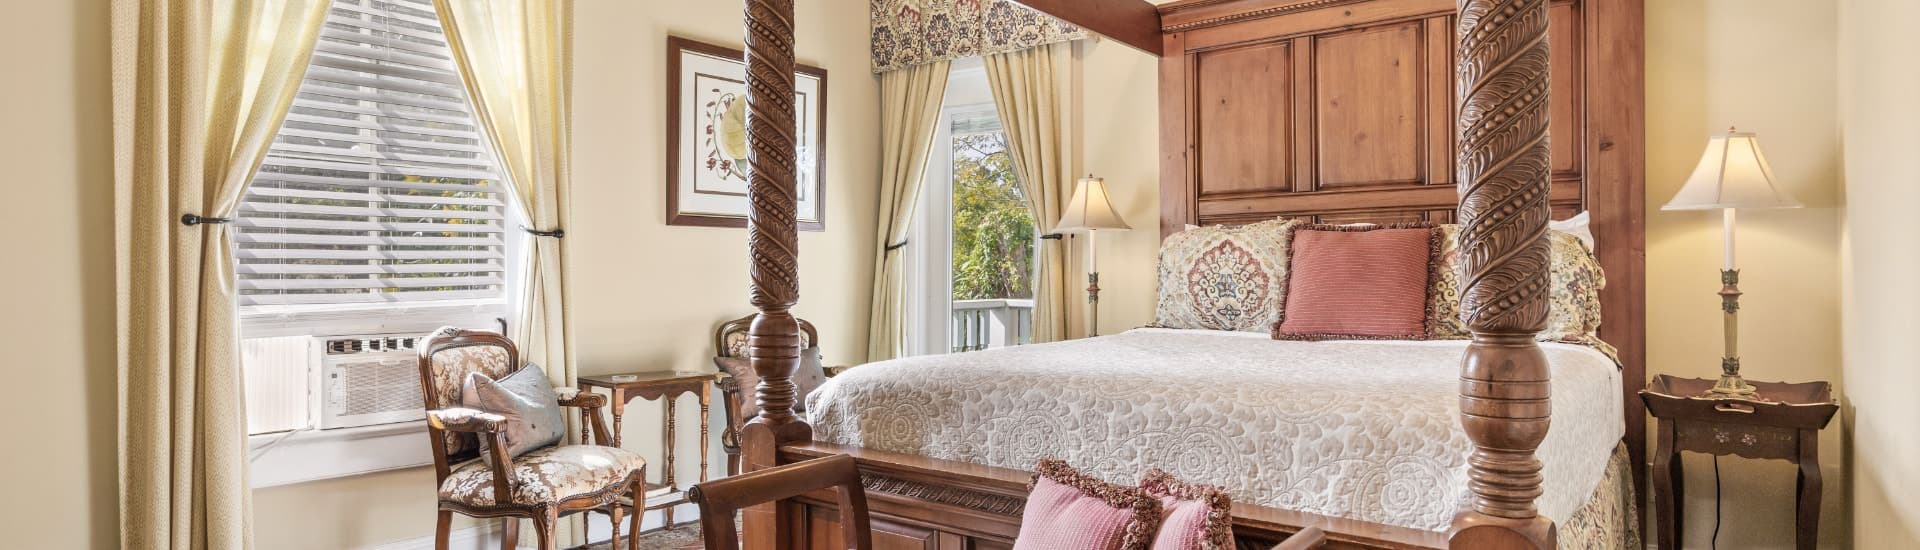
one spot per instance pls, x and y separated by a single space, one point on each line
707 137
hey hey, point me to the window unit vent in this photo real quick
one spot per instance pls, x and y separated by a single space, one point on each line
345 346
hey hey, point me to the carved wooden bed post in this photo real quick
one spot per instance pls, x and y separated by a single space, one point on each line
773 340
1503 177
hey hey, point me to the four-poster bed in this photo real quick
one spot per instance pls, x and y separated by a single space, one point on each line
1335 110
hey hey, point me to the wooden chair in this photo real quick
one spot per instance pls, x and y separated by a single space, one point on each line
720 500
541 485
730 340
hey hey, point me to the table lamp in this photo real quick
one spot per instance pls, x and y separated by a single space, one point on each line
1091 212
1732 175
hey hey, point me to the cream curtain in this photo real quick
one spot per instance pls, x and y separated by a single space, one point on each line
199 90
910 101
517 59
1027 95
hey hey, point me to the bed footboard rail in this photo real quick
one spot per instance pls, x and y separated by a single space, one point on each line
939 504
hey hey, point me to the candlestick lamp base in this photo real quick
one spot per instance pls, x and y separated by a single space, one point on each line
1731 385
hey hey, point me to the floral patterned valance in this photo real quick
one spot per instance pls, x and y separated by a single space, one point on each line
913 32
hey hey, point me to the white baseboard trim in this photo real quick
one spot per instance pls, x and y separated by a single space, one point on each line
487 536
478 537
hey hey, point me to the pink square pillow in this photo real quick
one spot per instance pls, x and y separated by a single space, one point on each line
1067 510
1194 517
1348 282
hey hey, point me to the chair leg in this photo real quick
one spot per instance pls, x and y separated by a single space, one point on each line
613 523
639 504
442 530
509 533
543 527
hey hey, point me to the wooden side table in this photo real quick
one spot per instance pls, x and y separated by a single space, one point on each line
1784 423
654 386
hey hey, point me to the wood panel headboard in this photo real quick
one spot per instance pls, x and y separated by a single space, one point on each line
1344 111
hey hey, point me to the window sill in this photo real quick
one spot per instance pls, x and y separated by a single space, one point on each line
317 455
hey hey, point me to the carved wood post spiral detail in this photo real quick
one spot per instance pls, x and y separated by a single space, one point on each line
773 339
1503 172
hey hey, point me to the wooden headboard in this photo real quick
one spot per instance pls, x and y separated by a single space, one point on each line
1344 111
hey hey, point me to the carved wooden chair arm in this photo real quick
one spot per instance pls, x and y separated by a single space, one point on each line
466 420
488 426
1311 537
584 400
589 404
721 499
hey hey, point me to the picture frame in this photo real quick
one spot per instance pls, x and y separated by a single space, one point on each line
706 137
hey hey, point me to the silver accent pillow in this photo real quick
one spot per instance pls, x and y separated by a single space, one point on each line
527 399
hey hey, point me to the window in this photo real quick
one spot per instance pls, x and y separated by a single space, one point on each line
974 285
379 188
378 215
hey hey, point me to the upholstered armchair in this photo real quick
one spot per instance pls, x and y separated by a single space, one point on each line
730 342
541 485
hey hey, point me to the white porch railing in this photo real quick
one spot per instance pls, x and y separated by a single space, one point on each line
984 324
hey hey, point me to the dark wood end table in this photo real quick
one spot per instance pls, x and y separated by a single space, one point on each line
1784 423
651 386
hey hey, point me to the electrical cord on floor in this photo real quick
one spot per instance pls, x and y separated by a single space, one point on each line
1715 543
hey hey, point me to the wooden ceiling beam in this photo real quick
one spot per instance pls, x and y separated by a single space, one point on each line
1132 22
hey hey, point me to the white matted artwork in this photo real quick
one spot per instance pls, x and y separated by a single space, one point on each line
707 137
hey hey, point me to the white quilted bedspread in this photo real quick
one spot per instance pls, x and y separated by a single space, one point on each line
1368 430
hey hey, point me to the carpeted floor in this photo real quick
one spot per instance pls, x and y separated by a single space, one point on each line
686 536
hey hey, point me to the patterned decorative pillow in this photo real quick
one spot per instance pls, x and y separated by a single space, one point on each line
526 398
1068 510
1224 278
1351 282
1194 517
1574 294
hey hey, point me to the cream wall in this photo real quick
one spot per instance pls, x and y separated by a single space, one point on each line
1767 66
58 463
648 296
1878 85
1119 108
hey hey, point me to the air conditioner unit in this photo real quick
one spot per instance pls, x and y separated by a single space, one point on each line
367 380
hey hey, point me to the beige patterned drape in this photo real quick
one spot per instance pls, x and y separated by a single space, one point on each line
199 90
517 59
906 33
1027 94
910 102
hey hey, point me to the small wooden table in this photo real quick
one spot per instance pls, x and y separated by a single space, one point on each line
1784 423
652 386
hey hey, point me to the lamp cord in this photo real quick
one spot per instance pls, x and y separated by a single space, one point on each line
1715 542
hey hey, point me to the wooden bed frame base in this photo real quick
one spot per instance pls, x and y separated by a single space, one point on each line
1486 63
920 502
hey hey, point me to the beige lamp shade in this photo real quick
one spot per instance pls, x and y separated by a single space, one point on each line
1732 174
1090 209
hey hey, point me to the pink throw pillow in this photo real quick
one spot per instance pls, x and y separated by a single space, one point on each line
1348 282
1195 517
1068 510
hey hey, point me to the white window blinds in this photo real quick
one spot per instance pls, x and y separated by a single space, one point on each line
379 187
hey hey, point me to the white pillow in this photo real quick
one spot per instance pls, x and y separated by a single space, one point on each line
1578 226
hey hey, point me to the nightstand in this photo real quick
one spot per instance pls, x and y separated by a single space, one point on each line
1783 423
651 386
